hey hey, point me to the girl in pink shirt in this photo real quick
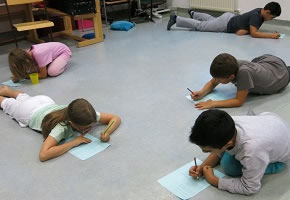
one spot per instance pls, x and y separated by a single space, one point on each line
48 59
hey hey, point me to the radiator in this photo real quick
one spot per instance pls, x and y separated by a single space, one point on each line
216 5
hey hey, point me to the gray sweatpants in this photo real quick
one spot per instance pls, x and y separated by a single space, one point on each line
205 22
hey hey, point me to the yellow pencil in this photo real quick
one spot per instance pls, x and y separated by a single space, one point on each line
108 127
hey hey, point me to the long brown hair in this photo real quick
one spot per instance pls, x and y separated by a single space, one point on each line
79 111
21 64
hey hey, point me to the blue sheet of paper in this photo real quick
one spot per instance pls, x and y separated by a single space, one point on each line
11 83
184 186
85 151
215 96
282 35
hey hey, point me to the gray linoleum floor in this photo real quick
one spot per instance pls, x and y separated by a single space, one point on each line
141 75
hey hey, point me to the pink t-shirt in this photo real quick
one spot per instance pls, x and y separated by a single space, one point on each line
45 53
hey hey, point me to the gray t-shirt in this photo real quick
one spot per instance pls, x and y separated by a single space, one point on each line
261 140
266 74
244 21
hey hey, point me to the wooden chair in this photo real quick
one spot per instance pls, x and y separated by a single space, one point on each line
82 42
31 25
107 3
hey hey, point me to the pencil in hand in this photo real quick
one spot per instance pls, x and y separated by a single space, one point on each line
192 93
108 127
190 90
197 177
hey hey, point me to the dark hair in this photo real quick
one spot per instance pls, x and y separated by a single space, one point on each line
274 7
79 111
213 128
223 66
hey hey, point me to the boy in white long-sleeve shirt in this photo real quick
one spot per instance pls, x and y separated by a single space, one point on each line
246 146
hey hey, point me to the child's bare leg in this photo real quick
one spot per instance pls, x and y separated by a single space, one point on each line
7 92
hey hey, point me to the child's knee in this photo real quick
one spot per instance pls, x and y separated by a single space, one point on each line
54 72
57 67
230 165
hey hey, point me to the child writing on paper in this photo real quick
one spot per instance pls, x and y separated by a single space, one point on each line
246 146
266 74
48 59
56 122
247 23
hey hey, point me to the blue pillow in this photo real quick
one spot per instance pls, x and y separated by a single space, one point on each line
91 36
122 25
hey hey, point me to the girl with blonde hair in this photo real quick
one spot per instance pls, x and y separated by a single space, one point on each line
47 59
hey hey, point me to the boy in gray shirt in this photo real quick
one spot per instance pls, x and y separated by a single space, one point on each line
246 146
266 74
247 23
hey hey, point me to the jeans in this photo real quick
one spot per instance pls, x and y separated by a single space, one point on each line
233 167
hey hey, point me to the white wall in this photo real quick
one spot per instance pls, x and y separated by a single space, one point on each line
169 3
180 3
246 5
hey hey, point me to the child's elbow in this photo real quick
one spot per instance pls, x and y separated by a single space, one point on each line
43 156
251 191
254 34
239 103
242 32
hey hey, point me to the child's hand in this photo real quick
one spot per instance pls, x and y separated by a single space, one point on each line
196 95
15 80
81 140
195 171
105 137
85 131
276 35
205 105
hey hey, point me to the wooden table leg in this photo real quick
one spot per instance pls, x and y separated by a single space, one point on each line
98 32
